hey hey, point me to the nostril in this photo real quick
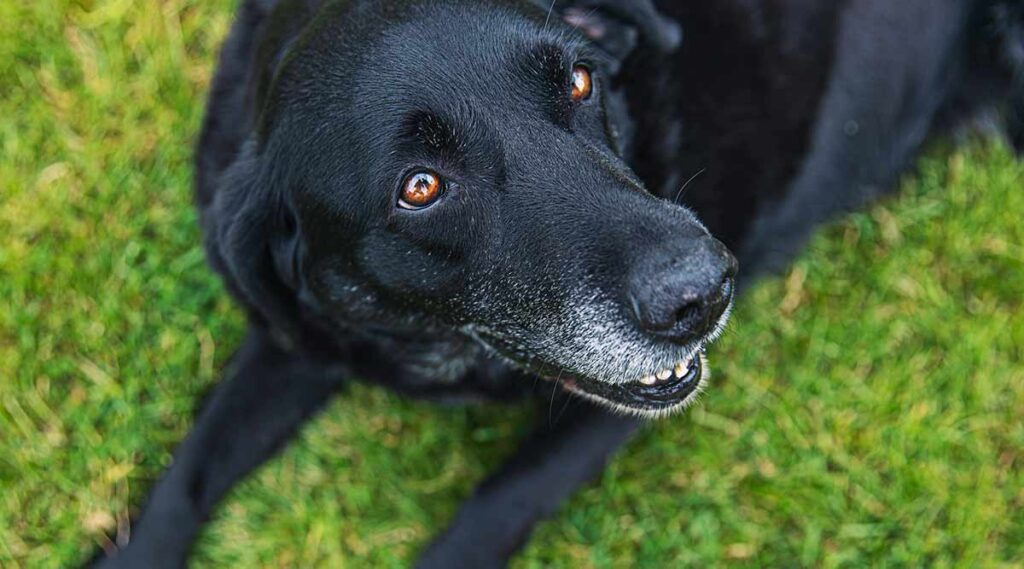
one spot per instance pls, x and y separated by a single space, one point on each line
688 315
725 290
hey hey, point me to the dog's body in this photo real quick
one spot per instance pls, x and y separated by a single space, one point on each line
773 116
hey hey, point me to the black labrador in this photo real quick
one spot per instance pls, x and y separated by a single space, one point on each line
452 198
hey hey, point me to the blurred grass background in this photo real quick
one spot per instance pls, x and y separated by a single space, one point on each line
867 407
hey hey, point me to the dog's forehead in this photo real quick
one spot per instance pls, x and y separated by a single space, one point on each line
417 55
456 55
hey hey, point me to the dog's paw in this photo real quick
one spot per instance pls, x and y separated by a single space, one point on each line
617 27
444 556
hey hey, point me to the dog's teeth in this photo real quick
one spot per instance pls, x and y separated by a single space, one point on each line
649 380
681 368
664 374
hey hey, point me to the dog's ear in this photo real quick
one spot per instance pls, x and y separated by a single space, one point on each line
250 236
282 21
618 26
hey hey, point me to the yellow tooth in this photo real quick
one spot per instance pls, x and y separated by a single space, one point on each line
664 374
649 380
681 370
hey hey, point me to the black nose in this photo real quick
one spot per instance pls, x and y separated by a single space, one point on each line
680 290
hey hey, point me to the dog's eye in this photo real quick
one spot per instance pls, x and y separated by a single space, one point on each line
582 83
420 190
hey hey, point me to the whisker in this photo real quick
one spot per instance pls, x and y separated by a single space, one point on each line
683 189
554 389
569 396
550 10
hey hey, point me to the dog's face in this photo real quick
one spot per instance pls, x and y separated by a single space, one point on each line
458 169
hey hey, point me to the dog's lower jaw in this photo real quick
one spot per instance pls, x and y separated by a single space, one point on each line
689 389
653 396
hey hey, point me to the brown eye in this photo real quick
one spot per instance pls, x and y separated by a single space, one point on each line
582 84
420 190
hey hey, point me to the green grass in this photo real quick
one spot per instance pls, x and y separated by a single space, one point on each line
868 407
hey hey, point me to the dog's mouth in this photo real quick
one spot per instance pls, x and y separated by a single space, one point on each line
653 395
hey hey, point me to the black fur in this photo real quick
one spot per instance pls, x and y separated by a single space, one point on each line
780 114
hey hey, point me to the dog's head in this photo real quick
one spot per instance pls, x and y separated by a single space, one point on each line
457 168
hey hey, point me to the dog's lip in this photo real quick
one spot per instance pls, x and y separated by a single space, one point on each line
644 396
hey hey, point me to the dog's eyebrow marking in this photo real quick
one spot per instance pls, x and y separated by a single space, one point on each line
550 57
549 66
435 133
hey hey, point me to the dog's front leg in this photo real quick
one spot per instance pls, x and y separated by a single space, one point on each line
557 459
266 395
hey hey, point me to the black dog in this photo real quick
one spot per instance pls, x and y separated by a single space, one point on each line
453 197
